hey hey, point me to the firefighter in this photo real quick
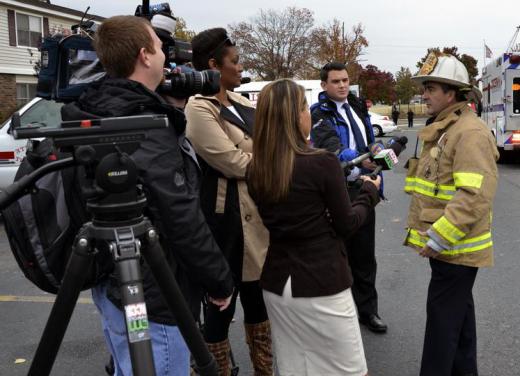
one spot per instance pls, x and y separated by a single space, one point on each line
452 185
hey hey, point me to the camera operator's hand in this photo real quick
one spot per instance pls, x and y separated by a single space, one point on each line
221 303
376 181
368 164
176 102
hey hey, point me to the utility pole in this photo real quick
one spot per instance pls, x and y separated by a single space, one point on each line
343 42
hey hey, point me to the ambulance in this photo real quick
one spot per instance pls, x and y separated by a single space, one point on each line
501 98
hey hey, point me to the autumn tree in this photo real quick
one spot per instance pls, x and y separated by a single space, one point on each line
469 61
276 44
182 31
405 88
331 43
376 85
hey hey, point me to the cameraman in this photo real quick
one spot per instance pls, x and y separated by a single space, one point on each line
131 54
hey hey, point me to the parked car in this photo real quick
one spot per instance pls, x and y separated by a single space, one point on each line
381 124
38 111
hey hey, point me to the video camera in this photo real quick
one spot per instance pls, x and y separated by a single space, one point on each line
70 63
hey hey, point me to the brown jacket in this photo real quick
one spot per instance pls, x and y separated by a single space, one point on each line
225 143
453 184
307 228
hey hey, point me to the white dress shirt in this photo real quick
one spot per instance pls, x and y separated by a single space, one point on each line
355 172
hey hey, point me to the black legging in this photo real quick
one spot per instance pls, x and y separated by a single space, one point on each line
217 323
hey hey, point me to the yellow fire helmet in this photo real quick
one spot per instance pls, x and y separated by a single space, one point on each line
449 70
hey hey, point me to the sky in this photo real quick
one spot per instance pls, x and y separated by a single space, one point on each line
399 31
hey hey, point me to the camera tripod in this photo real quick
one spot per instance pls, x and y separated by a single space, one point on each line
119 227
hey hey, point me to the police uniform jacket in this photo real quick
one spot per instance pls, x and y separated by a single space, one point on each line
225 144
452 185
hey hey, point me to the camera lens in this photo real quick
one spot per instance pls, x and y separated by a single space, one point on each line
183 85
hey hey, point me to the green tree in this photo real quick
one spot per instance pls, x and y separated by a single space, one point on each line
469 61
405 88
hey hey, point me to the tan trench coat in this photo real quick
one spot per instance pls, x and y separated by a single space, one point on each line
453 184
228 149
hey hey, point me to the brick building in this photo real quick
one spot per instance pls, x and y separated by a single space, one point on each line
23 23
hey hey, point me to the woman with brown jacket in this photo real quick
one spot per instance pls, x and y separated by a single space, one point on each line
220 129
303 201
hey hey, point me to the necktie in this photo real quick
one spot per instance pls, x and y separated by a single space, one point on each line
358 137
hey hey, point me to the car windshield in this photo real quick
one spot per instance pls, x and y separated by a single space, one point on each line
44 113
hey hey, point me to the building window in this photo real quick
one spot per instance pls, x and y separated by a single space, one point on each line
24 93
28 30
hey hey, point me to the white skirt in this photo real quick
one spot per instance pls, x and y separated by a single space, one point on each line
315 336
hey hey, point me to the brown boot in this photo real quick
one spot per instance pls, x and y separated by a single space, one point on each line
220 351
258 338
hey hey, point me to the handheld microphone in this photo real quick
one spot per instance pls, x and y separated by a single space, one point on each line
373 148
397 144
245 80
387 158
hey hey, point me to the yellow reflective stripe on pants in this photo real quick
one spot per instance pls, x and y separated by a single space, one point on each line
468 179
448 230
464 246
427 188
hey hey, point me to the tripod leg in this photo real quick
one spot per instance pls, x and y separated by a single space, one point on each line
163 274
80 260
126 257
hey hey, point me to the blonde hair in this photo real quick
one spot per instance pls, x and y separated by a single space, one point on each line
277 138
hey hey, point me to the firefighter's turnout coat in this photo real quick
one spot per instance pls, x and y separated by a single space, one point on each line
452 185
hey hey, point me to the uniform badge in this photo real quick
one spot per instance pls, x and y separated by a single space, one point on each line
434 152
429 64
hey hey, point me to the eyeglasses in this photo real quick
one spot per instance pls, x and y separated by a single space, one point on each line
225 42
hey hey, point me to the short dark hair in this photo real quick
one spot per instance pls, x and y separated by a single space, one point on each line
210 44
118 42
333 65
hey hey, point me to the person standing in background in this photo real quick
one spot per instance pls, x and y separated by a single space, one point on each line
395 114
410 115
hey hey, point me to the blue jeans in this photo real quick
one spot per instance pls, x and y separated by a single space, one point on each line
170 353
